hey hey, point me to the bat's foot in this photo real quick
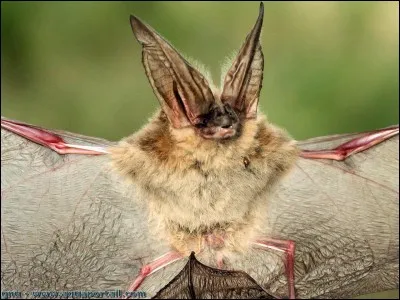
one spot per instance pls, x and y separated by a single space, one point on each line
287 247
215 241
220 261
153 267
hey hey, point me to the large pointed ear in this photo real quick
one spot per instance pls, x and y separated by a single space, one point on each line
243 81
183 92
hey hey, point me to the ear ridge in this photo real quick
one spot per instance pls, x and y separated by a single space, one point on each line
251 92
183 92
243 81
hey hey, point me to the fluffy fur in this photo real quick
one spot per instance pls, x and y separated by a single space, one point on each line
198 189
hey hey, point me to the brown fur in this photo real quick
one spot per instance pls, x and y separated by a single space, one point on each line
196 188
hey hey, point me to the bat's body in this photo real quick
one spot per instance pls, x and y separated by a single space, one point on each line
196 188
209 170
207 163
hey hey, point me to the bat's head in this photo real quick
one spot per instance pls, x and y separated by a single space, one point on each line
184 93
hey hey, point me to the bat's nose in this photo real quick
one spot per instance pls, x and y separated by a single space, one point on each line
225 121
224 117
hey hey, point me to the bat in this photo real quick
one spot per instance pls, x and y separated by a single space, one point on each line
202 140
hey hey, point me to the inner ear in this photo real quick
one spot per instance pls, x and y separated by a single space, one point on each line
243 81
182 91
178 98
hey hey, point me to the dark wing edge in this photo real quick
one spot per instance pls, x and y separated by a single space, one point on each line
226 284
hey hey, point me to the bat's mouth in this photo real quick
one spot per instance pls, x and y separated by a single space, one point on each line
219 132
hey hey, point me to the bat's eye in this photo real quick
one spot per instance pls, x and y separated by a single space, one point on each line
229 110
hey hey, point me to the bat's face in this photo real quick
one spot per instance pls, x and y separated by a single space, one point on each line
221 122
186 96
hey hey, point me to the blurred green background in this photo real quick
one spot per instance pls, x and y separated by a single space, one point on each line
330 67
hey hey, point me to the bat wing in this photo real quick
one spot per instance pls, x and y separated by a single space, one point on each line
343 217
67 223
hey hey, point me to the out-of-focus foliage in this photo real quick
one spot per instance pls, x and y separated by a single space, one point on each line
330 67
393 294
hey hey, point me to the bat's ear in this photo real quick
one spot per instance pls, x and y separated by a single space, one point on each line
183 92
243 81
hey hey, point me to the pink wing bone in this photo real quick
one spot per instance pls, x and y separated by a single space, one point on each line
368 140
53 141
50 139
288 248
154 266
